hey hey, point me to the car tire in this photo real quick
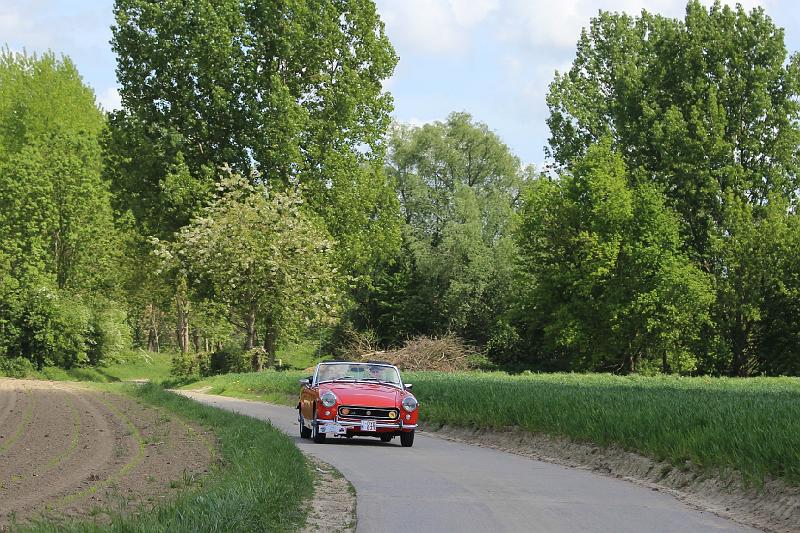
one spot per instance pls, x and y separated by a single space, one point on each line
386 438
305 433
407 439
316 436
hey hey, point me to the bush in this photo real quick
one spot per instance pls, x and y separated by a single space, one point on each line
54 329
16 367
187 365
505 345
109 333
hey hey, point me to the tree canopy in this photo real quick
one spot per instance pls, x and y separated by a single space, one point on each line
706 109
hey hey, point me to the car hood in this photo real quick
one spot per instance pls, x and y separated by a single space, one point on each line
367 394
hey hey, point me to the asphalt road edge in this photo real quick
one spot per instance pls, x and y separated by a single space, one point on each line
773 507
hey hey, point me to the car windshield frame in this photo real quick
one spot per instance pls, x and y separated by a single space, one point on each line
347 378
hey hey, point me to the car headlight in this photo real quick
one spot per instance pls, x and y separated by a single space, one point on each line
328 399
410 403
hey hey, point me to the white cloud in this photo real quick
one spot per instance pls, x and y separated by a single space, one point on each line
434 26
109 99
470 12
558 24
417 122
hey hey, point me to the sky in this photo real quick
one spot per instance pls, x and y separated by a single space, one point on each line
491 58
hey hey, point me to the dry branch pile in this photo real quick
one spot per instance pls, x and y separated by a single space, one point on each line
446 354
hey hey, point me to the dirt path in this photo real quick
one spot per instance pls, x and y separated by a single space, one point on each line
66 451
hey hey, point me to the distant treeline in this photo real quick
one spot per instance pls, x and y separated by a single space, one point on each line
252 189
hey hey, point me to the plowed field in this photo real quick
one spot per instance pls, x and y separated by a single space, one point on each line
66 451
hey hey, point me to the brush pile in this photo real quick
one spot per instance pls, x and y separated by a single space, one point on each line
444 354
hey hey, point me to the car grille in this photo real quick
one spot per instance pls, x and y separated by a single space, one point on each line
359 412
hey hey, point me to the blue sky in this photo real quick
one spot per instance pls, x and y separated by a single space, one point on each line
492 58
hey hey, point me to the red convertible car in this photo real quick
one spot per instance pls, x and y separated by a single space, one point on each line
347 399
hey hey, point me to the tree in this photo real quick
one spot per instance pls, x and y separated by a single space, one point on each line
292 90
59 246
263 255
609 287
457 184
706 109
55 212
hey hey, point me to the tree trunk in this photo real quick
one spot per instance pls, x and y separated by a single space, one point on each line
152 314
182 322
251 338
270 342
256 361
182 306
664 363
196 340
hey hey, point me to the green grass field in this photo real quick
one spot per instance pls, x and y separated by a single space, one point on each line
750 425
131 366
260 487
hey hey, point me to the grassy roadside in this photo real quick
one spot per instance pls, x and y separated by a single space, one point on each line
261 485
132 365
750 425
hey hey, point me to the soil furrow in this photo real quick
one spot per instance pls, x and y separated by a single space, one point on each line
28 488
82 453
21 426
7 402
134 457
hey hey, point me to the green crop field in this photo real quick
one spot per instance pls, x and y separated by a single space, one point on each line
750 425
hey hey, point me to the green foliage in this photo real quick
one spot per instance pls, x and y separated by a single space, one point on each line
707 110
58 240
54 329
607 285
224 83
457 183
263 255
16 367
109 335
188 365
55 213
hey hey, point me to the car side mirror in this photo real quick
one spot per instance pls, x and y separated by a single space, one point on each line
408 386
305 382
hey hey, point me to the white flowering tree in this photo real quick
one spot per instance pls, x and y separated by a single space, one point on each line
263 255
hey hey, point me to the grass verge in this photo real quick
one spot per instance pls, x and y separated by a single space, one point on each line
274 386
132 365
260 486
748 425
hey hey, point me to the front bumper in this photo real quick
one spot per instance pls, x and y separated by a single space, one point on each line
399 426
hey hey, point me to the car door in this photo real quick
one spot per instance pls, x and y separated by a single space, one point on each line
307 399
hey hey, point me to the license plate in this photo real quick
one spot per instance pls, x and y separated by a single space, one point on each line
333 429
368 425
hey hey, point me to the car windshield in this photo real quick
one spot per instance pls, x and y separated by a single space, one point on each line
358 372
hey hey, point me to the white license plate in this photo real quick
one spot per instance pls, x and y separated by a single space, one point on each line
333 429
368 425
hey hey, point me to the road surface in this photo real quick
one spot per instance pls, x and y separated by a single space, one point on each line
439 485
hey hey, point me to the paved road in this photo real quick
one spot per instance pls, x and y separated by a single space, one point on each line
439 486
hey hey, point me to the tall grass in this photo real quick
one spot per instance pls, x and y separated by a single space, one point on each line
751 425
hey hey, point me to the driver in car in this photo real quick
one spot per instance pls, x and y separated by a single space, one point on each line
377 372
